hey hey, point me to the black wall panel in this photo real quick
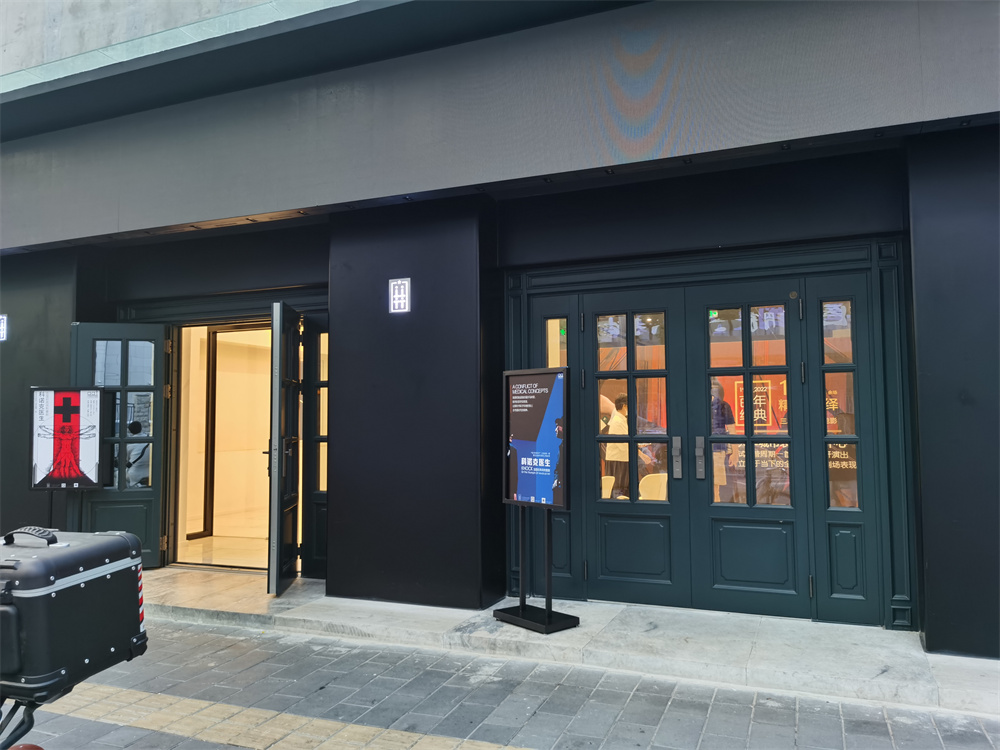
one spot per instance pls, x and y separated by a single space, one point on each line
411 517
954 198
845 196
38 296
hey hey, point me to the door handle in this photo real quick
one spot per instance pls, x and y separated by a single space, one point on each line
676 453
699 457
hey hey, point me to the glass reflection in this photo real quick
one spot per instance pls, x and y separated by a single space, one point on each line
555 342
654 467
139 415
839 403
837 343
614 471
612 347
727 410
767 335
109 465
729 473
769 404
323 409
138 459
650 349
651 406
842 469
140 362
771 472
612 405
107 363
725 338
321 480
324 356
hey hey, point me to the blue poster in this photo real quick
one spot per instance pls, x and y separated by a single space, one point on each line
536 469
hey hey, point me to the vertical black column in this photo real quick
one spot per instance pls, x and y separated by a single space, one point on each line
954 200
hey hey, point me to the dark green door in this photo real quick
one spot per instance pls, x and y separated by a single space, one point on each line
126 361
633 434
749 496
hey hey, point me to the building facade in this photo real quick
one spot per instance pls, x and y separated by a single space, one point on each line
768 231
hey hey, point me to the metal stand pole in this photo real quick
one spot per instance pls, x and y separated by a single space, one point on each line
548 565
522 541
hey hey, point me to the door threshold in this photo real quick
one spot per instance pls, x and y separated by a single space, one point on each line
218 568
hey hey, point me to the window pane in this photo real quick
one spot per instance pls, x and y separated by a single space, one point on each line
771 471
321 480
138 464
107 363
140 362
611 343
651 406
725 338
614 471
767 335
654 468
555 342
650 349
839 403
324 356
837 344
729 473
727 412
139 417
770 404
612 406
109 461
323 406
842 466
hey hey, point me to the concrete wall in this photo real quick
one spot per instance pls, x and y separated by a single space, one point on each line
646 82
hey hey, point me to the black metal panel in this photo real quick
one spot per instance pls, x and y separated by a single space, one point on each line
409 517
837 197
847 560
954 199
635 548
759 556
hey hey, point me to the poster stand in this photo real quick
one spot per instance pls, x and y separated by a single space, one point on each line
540 620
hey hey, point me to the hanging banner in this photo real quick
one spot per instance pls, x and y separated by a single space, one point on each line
65 438
535 463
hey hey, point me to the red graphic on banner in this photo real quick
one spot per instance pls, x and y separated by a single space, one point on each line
66 436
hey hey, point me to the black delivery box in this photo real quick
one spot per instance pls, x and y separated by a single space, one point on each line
70 607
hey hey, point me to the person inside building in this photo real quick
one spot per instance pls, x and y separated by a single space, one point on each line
723 454
137 467
616 455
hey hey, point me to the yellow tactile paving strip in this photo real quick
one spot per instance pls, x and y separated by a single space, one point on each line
255 728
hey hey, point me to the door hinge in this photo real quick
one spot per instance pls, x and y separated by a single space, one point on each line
299 551
802 308
167 391
581 322
168 346
163 544
585 570
802 367
810 587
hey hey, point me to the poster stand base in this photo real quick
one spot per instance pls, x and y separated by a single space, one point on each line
543 621
540 620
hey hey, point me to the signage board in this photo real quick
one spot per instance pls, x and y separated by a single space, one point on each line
536 429
65 438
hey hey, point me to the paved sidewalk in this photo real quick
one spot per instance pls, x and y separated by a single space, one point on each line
209 686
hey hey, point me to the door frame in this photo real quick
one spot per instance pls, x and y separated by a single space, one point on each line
885 259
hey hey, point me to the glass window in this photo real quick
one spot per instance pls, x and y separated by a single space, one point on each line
729 473
138 464
107 363
727 410
555 342
842 469
771 472
324 356
651 406
725 338
650 341
839 403
323 408
139 417
140 362
767 335
612 347
838 347
654 467
769 404
613 406
614 471
321 463
109 459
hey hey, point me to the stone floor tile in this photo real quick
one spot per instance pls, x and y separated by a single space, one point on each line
764 714
498 734
625 736
772 737
820 731
594 720
463 721
414 722
616 698
722 742
584 677
515 710
566 699
549 673
576 742
729 720
959 732
736 696
442 701
643 708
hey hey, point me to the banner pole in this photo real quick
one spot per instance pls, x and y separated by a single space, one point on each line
548 564
522 524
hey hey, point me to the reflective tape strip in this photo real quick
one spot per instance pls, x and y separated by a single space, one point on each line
142 613
76 579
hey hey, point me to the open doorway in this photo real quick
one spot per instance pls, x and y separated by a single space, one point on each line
222 488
